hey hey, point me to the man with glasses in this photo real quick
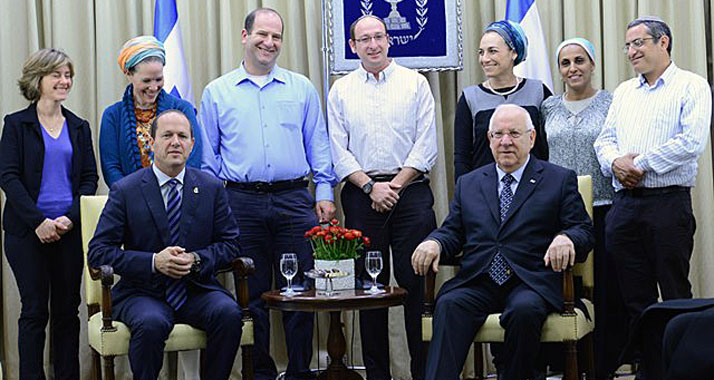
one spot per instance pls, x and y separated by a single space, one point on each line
519 223
383 138
266 134
657 128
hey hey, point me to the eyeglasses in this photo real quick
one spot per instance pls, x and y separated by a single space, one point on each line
379 37
514 135
636 43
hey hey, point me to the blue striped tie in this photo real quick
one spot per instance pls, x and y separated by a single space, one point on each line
500 271
176 292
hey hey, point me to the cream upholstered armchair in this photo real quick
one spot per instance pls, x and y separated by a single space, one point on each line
108 338
568 327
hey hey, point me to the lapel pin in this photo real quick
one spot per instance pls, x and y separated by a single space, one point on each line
532 180
195 189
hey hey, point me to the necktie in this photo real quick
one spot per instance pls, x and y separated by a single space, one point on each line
500 271
176 291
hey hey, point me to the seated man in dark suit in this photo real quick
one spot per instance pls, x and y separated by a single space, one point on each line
165 230
520 222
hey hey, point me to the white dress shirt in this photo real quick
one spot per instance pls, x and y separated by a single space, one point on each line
381 125
517 175
667 124
163 179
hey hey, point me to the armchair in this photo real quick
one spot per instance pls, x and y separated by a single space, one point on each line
109 338
567 327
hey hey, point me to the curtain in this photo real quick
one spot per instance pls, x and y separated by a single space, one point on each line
93 31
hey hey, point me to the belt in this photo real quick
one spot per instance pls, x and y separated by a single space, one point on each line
650 191
269 187
389 177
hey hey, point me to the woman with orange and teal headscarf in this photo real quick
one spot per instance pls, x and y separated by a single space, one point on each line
503 46
124 137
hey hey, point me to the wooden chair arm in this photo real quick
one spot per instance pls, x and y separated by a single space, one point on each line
429 290
430 285
568 292
105 273
242 268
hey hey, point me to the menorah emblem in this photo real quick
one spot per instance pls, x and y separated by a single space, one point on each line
395 21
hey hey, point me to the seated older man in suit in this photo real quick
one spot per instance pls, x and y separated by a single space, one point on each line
165 230
519 222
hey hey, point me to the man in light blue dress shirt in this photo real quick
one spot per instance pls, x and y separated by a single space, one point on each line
655 131
265 135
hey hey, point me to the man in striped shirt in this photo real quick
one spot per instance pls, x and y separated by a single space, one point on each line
382 131
656 129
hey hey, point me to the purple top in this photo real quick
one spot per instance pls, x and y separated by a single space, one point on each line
55 198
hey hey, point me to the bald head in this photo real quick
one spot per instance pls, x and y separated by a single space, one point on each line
511 111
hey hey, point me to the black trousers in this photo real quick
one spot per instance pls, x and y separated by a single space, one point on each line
461 312
410 221
611 326
651 239
47 274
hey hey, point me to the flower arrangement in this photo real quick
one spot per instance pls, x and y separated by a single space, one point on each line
333 242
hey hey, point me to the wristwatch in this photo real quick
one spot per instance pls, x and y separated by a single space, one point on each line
196 266
367 187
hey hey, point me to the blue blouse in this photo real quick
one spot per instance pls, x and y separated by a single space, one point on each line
55 198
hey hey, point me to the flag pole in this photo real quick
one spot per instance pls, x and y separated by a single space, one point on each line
325 57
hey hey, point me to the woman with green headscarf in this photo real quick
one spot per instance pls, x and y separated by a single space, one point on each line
124 138
503 46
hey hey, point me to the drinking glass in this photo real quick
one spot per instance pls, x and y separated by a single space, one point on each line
373 264
289 268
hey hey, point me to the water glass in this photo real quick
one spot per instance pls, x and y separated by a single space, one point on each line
373 264
289 268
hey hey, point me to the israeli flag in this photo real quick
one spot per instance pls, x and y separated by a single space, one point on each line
536 65
166 30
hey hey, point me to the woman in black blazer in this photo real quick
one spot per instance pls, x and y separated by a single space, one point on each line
46 163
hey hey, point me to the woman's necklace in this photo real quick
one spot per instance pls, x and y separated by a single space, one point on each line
52 124
504 93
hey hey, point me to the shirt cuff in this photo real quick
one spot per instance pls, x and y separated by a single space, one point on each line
344 169
419 165
323 192
640 162
153 268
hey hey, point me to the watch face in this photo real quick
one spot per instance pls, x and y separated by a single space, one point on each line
367 188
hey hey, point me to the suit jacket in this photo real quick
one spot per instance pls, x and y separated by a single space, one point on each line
133 226
22 156
692 356
546 203
690 351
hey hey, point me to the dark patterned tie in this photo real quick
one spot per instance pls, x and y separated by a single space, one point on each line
176 292
500 271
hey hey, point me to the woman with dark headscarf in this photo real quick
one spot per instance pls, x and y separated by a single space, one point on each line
573 121
124 137
503 46
46 164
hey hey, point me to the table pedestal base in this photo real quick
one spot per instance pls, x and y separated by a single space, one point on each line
336 348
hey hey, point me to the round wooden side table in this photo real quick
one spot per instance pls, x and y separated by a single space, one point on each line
335 304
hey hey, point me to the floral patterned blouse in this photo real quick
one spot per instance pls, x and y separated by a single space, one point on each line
571 137
144 118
